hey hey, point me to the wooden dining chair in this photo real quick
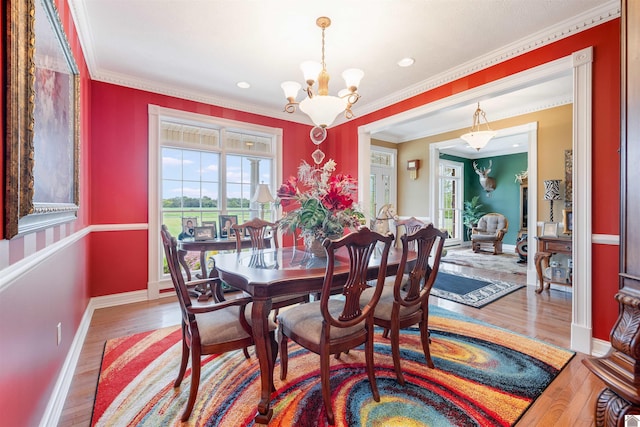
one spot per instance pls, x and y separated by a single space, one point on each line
406 302
335 325
410 225
213 328
259 232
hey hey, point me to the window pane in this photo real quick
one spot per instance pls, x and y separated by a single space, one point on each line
210 166
210 195
171 163
171 193
234 169
191 194
190 165
265 173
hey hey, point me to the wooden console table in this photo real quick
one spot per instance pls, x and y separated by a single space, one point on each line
548 246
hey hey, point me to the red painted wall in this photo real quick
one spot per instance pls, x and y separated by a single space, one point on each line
119 171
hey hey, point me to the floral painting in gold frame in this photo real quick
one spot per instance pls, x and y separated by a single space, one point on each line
42 120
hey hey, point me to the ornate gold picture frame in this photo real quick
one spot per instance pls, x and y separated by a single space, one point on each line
42 120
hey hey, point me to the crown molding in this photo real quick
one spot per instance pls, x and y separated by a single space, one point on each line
567 28
588 19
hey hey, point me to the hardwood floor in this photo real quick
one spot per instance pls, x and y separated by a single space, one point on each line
568 401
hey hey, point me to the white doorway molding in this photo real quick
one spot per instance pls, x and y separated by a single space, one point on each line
580 64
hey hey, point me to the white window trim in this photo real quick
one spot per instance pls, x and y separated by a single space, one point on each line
157 282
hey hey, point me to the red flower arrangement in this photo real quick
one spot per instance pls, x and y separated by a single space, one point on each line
327 204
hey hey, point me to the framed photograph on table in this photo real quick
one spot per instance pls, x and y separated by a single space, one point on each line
42 120
204 233
226 221
567 220
211 224
189 225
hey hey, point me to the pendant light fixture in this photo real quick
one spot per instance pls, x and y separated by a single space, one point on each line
478 138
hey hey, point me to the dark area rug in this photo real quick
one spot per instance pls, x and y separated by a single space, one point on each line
469 290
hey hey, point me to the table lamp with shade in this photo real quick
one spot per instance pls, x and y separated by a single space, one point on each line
262 196
551 193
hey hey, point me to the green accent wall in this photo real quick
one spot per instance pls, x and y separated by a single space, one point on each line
505 199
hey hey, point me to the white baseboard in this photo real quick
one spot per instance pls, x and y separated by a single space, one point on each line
117 299
600 347
53 411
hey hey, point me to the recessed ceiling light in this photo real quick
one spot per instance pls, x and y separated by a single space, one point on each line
243 85
406 62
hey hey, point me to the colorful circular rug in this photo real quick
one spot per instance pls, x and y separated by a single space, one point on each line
484 376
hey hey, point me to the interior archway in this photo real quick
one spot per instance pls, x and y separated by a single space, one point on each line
579 63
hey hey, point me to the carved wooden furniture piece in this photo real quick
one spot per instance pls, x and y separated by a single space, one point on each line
333 326
202 292
284 271
548 246
490 230
405 302
204 246
210 329
620 368
260 232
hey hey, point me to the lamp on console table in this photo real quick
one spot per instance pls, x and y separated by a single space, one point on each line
262 196
551 193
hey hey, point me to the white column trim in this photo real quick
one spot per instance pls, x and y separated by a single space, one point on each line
581 332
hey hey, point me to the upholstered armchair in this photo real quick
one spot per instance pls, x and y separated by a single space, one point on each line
490 230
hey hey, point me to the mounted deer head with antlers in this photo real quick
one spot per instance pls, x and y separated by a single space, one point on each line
488 183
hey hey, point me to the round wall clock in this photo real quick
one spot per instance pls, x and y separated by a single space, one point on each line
318 134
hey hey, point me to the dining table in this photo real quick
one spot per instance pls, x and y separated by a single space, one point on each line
204 246
267 273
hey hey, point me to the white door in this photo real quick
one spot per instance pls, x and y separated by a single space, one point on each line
382 179
450 197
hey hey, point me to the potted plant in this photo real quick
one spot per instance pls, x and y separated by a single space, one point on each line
471 214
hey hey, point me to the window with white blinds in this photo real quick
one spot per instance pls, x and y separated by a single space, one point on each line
207 171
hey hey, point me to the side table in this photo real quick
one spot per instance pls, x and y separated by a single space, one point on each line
548 246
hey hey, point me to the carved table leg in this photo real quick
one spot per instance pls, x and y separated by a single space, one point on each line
264 351
538 259
183 263
205 293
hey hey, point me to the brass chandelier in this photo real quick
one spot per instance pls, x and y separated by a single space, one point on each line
321 107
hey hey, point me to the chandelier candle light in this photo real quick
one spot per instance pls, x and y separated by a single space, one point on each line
321 107
477 138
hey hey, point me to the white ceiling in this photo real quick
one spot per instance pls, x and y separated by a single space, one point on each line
200 49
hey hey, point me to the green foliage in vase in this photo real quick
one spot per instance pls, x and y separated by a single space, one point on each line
325 204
